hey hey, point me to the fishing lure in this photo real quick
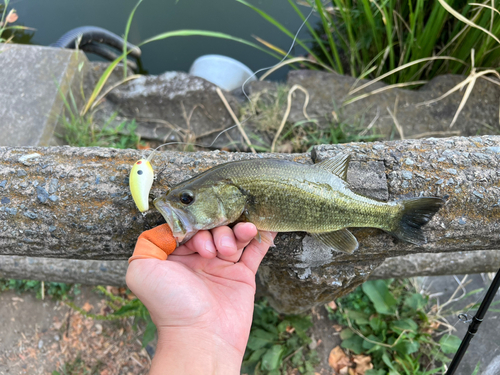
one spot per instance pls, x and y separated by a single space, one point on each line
141 180
142 174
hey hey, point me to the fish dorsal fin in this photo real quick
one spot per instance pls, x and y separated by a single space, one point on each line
336 165
340 240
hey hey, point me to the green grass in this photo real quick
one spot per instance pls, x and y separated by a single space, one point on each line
387 320
266 110
80 130
370 38
278 343
58 291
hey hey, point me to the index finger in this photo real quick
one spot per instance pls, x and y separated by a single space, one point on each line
255 251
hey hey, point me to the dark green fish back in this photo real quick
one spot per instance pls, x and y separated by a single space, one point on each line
286 196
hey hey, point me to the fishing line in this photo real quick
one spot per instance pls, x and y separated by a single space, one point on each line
244 93
283 59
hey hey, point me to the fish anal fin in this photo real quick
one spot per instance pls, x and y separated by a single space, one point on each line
340 240
336 165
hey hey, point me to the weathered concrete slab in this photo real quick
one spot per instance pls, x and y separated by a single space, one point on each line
112 272
75 203
33 81
88 272
173 106
328 92
433 264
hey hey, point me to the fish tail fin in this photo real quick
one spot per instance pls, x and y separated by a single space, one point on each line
416 212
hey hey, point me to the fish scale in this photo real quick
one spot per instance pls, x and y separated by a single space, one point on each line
287 196
284 196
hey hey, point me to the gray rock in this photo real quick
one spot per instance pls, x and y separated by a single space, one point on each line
53 184
328 91
32 79
42 194
173 106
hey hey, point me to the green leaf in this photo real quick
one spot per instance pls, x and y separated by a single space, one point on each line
354 343
404 347
272 358
375 372
379 294
404 324
369 345
256 356
477 368
388 362
346 334
449 344
212 34
415 301
377 324
149 334
358 317
256 343
261 334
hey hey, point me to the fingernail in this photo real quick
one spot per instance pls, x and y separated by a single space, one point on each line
227 242
209 246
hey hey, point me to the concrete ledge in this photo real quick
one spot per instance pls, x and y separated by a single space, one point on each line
112 272
33 82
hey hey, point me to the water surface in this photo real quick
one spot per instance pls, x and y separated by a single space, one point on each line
52 18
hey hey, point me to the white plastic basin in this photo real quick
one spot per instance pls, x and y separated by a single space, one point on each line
223 71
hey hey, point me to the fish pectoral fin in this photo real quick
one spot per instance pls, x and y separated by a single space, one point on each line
340 240
336 165
258 237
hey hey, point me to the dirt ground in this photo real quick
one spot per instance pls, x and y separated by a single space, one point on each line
40 337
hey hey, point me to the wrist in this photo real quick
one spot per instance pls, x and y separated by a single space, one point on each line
182 350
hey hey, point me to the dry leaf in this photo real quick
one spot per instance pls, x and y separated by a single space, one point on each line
87 307
332 305
435 325
363 363
335 355
344 371
11 17
344 361
113 290
337 358
337 327
352 372
146 146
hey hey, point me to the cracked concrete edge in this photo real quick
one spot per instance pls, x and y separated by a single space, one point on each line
112 272
91 215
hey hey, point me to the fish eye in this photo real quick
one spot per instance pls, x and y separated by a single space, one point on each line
186 197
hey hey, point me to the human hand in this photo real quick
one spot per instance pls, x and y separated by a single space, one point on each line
201 299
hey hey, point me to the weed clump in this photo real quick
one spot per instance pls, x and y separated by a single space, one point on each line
387 320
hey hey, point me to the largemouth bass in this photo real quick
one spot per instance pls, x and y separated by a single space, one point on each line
284 196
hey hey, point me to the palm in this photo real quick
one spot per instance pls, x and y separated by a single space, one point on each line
192 291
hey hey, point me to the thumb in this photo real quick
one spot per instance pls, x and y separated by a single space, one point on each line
156 243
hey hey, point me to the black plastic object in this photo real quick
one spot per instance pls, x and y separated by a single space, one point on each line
93 39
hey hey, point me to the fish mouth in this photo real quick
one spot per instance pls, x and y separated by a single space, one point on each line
177 220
